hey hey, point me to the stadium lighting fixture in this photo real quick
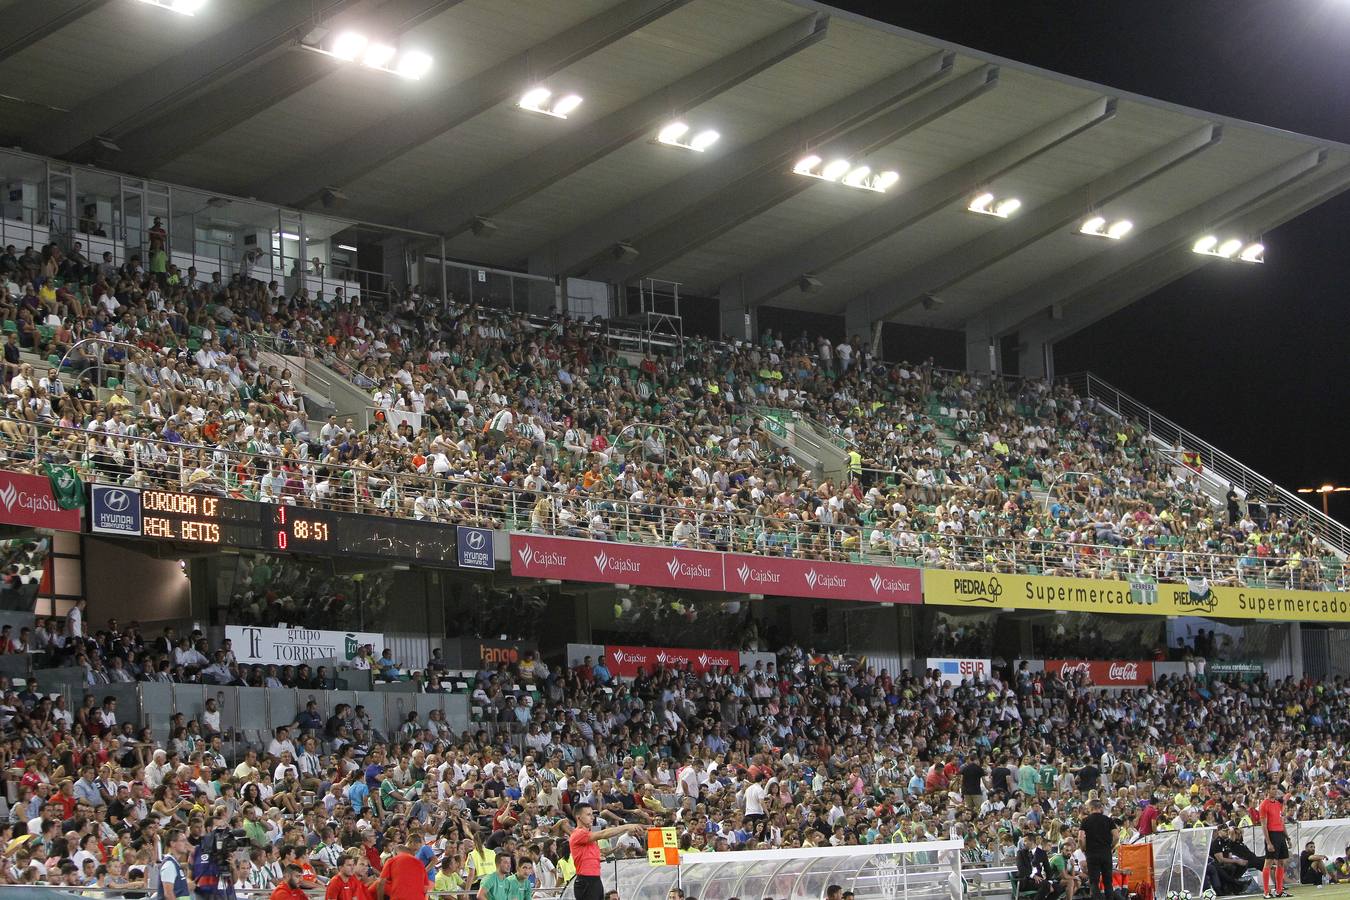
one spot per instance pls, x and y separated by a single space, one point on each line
987 204
1097 226
1233 248
535 99
846 173
806 164
348 247
673 135
355 47
1325 490
182 7
348 45
377 56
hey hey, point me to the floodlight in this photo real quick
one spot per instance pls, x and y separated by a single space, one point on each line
835 170
349 45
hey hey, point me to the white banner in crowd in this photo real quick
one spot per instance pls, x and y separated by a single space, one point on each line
291 646
955 671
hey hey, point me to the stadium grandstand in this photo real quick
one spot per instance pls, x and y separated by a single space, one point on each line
506 448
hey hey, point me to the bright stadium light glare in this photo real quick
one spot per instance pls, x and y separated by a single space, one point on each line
1119 229
534 99
806 164
182 7
986 204
566 105
1233 249
1098 226
377 56
672 132
857 176
414 65
704 139
349 45
845 172
835 170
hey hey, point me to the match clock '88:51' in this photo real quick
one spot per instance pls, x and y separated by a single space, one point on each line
307 529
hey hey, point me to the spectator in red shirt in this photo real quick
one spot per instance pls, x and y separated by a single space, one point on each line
404 877
345 885
289 888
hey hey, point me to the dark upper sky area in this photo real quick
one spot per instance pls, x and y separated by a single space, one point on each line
1251 358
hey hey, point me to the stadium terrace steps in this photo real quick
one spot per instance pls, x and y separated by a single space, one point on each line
814 451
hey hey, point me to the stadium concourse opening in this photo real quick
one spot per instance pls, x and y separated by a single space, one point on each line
430 466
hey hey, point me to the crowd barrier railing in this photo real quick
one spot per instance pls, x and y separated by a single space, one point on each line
140 461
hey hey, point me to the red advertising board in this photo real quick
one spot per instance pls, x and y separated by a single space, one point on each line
628 662
28 500
570 559
1105 673
829 580
574 559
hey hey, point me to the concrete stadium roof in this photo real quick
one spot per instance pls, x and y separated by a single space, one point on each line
227 100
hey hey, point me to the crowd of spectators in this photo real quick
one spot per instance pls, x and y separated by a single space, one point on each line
807 751
496 419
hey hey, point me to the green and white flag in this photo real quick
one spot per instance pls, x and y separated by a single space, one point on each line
66 486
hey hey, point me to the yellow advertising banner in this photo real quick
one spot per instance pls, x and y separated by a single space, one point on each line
1003 591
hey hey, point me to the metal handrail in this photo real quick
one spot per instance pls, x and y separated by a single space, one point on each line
1236 473
151 462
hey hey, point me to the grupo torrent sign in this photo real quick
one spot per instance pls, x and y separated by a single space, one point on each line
571 559
628 662
28 500
811 578
1104 673
292 646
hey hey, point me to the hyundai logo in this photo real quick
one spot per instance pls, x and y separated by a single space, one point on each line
475 540
117 500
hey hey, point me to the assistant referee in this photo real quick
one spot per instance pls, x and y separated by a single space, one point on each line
586 852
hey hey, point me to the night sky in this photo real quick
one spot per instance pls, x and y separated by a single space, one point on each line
1251 358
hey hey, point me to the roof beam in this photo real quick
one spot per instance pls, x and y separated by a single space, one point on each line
27 23
783 271
1052 292
524 177
1123 288
571 253
1013 235
152 141
179 77
720 214
420 121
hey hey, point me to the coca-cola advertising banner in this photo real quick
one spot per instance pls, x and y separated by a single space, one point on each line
1104 673
828 580
628 662
572 559
28 500
568 559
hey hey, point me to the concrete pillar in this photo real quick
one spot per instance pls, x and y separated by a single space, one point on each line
859 319
981 348
736 320
1037 356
